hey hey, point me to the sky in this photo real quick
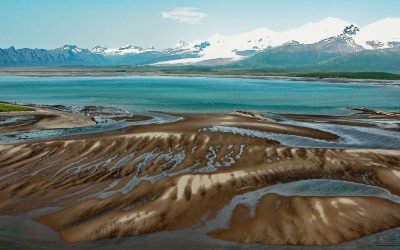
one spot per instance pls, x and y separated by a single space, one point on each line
162 23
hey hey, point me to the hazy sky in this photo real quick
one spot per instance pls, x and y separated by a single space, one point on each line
162 23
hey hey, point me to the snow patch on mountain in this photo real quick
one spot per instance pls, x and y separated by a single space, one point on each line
380 34
72 48
183 47
129 49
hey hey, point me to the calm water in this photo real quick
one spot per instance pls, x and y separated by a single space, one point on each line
188 94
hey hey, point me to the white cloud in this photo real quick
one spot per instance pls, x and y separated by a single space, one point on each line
188 15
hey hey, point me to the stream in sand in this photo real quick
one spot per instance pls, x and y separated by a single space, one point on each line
22 233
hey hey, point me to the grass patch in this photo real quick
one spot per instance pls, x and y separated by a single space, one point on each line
5 107
352 75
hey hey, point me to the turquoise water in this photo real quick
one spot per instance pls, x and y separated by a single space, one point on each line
188 94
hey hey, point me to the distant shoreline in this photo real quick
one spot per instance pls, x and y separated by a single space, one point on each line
87 72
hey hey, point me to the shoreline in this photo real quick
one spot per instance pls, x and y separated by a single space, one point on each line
300 130
41 118
66 73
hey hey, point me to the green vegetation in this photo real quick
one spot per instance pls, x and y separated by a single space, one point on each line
217 71
5 107
352 75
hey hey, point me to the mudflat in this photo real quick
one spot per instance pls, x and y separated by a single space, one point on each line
44 118
182 175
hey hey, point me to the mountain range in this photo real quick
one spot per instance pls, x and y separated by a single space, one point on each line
331 44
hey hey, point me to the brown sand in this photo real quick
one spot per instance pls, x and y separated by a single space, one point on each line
45 118
299 220
150 178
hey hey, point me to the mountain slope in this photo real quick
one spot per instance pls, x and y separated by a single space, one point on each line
367 60
306 58
66 55
296 55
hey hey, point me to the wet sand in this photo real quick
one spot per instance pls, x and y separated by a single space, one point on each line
302 220
361 118
176 176
132 118
44 118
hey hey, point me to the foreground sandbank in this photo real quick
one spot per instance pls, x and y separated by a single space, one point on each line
173 176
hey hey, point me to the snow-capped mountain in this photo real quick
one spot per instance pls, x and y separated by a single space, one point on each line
343 43
98 49
327 37
129 49
242 45
183 47
73 49
331 33
342 34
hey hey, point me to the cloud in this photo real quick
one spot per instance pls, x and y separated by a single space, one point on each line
188 15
